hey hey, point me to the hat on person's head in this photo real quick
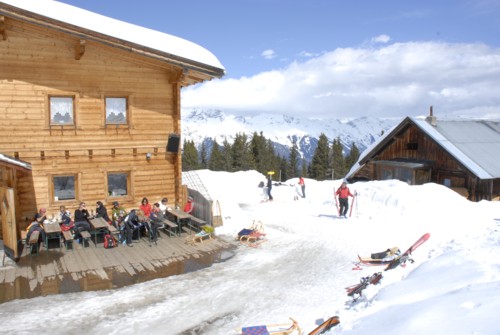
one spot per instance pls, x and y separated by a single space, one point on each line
42 210
164 200
190 198
344 183
115 203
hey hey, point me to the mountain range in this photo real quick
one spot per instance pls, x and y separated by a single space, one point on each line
207 125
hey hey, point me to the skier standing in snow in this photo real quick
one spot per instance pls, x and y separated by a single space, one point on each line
269 187
344 193
302 186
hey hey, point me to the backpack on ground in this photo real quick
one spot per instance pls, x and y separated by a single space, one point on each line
109 241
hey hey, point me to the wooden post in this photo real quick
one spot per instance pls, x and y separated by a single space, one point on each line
176 87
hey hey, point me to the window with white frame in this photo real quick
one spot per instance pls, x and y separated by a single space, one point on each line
116 110
62 112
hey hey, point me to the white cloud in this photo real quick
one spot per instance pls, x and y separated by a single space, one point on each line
381 39
268 54
397 79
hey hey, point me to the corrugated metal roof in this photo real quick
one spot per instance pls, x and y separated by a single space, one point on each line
475 143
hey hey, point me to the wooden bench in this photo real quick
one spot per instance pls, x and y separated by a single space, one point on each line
86 237
170 227
195 223
33 242
115 233
68 239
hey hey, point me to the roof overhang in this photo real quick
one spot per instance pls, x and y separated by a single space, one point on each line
193 71
14 163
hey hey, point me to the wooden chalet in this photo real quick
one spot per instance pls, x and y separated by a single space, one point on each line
92 105
461 154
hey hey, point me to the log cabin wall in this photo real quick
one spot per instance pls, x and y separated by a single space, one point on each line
412 143
36 63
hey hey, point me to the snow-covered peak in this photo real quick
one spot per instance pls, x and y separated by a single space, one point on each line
199 124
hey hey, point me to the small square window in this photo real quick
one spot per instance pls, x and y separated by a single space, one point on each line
116 110
118 184
64 187
62 111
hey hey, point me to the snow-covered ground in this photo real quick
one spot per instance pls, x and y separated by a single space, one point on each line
301 271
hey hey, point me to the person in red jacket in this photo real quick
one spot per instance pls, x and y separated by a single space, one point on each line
188 208
145 207
344 193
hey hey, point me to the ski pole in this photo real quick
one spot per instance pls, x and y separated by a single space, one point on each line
352 204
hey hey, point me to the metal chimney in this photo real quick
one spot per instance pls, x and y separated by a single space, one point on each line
431 118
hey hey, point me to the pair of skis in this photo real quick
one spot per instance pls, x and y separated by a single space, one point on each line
357 289
352 204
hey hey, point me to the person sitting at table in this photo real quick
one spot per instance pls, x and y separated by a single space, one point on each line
101 211
156 221
117 214
127 228
141 224
35 226
64 219
163 205
81 221
145 207
41 215
188 208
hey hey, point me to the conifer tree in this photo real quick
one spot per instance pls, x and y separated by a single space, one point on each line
320 162
283 170
272 161
338 161
227 157
216 161
203 156
240 152
189 156
258 149
304 168
293 162
352 158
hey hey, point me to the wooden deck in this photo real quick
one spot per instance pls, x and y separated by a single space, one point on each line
95 268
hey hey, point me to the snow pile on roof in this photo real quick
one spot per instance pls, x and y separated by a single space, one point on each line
119 29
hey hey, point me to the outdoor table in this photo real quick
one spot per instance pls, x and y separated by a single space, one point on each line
180 216
52 232
99 226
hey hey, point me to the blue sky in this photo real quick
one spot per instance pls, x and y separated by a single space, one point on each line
327 58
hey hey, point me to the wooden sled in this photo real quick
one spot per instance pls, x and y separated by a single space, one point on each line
254 235
326 326
199 237
273 329
391 254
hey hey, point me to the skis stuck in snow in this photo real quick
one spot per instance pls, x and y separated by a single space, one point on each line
357 289
400 259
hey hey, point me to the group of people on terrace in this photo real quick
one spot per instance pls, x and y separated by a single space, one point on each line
146 219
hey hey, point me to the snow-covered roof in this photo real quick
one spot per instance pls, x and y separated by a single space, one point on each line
16 162
474 143
124 31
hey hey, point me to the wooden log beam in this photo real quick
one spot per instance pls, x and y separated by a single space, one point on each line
80 49
2 28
